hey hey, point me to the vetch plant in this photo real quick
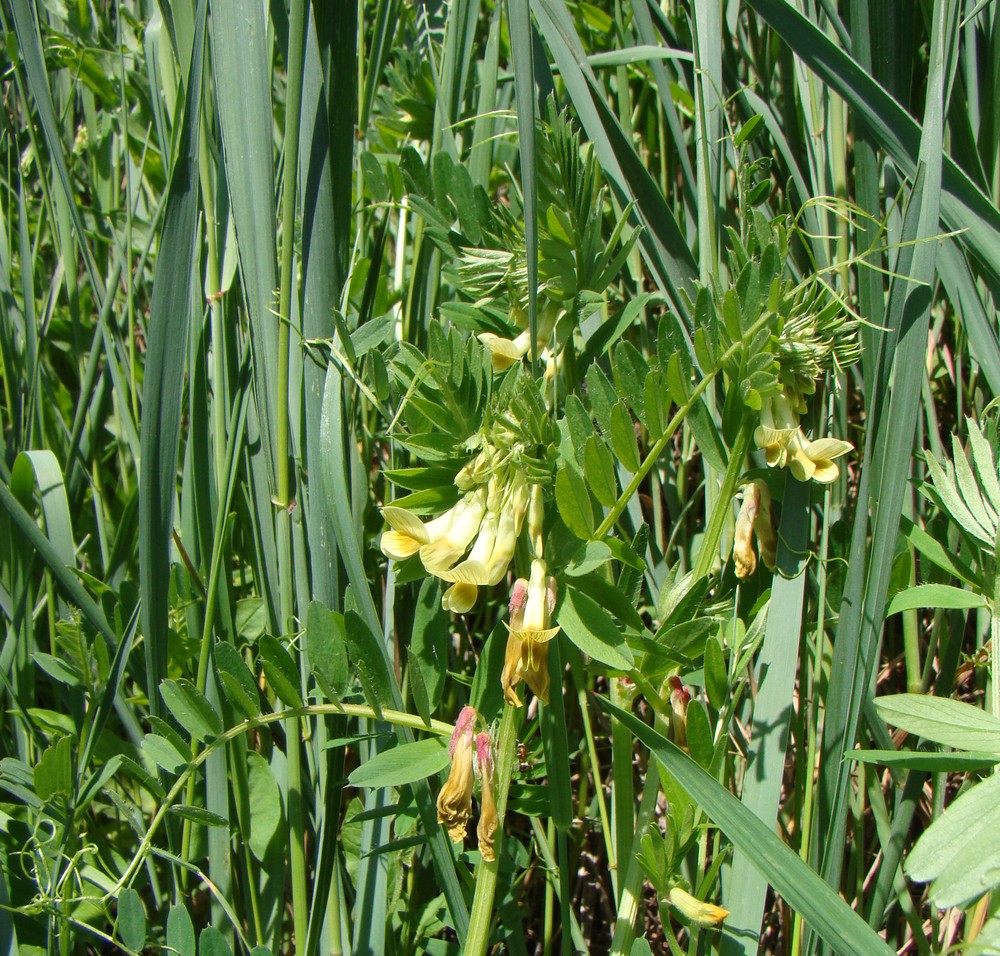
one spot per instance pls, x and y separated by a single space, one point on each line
454 466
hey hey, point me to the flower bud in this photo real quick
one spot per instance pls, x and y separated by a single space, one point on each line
704 914
680 697
488 819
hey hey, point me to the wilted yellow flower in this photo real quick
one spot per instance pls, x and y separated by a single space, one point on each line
754 519
704 914
488 819
454 804
531 605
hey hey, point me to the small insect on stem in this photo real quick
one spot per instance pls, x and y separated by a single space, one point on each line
523 763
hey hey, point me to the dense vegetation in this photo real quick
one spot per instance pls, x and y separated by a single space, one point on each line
499 477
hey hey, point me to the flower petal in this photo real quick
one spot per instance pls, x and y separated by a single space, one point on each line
399 519
511 675
827 449
460 598
398 545
468 572
826 471
506 351
454 803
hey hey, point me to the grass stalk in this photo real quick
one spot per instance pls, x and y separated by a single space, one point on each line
622 793
293 107
595 769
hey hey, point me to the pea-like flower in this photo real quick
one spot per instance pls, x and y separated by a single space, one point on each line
784 443
451 531
704 914
492 552
816 459
527 658
441 552
506 352
454 803
488 519
779 421
488 819
754 519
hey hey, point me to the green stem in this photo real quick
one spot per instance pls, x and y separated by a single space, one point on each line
546 840
661 443
724 502
631 893
622 792
595 767
480 919
293 107
995 655
401 718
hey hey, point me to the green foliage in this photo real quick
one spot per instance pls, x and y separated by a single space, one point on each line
364 362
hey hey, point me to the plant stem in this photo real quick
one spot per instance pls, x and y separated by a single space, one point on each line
657 448
480 918
293 713
293 106
622 793
595 766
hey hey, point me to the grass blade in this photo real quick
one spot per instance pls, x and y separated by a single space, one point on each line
169 319
799 886
888 448
777 665
963 206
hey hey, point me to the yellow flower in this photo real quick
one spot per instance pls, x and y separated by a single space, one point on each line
488 819
779 421
447 546
494 548
454 803
815 459
531 605
754 519
460 598
506 351
784 444
704 914
409 534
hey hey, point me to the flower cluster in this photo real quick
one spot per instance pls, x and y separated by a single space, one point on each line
784 443
488 517
469 751
754 519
